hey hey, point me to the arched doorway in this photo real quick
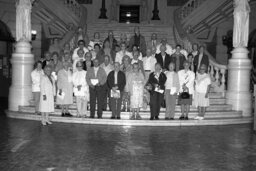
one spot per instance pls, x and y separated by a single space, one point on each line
6 48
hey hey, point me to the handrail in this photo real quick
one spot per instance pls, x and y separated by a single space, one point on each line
189 37
217 71
189 7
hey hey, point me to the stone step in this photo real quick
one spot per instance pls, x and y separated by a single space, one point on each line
146 114
163 31
128 123
221 107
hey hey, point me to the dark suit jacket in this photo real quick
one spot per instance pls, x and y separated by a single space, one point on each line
142 45
121 81
166 62
161 81
182 60
114 43
101 76
205 60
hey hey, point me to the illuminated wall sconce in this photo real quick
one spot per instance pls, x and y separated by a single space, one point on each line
33 34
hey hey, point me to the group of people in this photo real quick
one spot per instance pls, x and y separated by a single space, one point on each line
126 75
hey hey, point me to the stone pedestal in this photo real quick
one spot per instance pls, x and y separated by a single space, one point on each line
239 71
22 65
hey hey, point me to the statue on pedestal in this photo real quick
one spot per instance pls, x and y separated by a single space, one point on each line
241 23
23 19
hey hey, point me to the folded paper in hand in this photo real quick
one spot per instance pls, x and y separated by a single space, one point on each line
115 94
159 90
60 96
94 81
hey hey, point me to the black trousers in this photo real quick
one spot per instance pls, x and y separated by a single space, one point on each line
105 96
96 93
115 105
155 103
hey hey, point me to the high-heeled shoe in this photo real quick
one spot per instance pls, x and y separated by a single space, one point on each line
43 123
48 122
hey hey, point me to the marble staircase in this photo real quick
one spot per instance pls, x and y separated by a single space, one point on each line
219 113
162 31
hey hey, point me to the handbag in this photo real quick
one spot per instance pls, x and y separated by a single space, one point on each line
184 95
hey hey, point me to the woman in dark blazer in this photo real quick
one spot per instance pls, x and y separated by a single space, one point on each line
156 86
200 59
116 86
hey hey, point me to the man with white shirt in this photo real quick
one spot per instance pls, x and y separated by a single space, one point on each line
81 45
168 50
96 78
122 53
163 58
149 62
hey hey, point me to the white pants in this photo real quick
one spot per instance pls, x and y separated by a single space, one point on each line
81 104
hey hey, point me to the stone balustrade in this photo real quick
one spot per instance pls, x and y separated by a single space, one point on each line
217 71
189 7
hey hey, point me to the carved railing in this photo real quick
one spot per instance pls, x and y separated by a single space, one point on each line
217 71
189 7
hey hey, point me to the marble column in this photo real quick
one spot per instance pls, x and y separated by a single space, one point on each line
22 59
239 66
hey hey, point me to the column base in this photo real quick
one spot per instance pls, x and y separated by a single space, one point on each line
238 93
22 65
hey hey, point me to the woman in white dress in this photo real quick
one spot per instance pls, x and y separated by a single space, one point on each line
36 75
47 89
81 90
135 86
65 89
186 79
202 88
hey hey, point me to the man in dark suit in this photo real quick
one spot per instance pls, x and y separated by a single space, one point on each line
116 83
163 58
96 78
201 59
139 41
156 86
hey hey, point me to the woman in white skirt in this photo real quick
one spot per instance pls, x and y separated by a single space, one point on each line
65 89
202 88
47 89
81 89
36 75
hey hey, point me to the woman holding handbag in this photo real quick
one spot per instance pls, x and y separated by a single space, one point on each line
186 79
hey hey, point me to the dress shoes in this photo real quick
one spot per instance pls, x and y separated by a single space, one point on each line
112 117
118 117
166 118
171 118
68 114
63 114
151 118
181 118
91 117
156 117
186 118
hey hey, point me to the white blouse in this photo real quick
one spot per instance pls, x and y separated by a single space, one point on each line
187 78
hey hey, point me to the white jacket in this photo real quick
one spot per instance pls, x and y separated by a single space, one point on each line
35 78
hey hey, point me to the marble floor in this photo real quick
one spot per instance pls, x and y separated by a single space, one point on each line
28 146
